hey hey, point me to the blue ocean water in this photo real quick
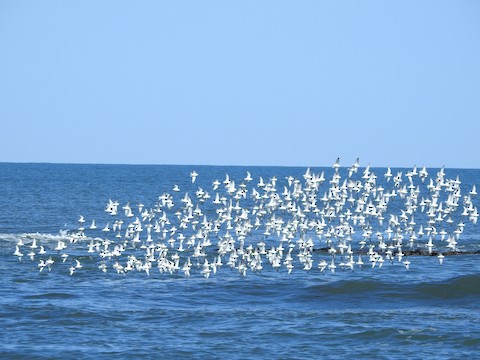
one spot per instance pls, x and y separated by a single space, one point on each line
430 310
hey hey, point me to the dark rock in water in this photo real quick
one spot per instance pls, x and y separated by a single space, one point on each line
413 252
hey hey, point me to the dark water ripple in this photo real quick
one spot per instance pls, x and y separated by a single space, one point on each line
198 318
364 314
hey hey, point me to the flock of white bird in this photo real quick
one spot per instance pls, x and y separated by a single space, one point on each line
312 223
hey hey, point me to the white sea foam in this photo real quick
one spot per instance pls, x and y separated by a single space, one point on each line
43 237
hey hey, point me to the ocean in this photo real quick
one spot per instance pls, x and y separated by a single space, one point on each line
431 310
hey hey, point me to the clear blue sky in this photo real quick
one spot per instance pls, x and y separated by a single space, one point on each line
240 82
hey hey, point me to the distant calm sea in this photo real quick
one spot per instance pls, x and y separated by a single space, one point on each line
430 311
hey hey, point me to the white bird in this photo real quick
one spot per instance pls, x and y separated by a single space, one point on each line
332 265
423 173
49 262
440 258
322 265
354 168
41 265
106 228
60 245
473 192
112 207
206 269
31 255
388 174
193 175
360 262
336 165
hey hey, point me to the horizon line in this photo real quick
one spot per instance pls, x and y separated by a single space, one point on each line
223 165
